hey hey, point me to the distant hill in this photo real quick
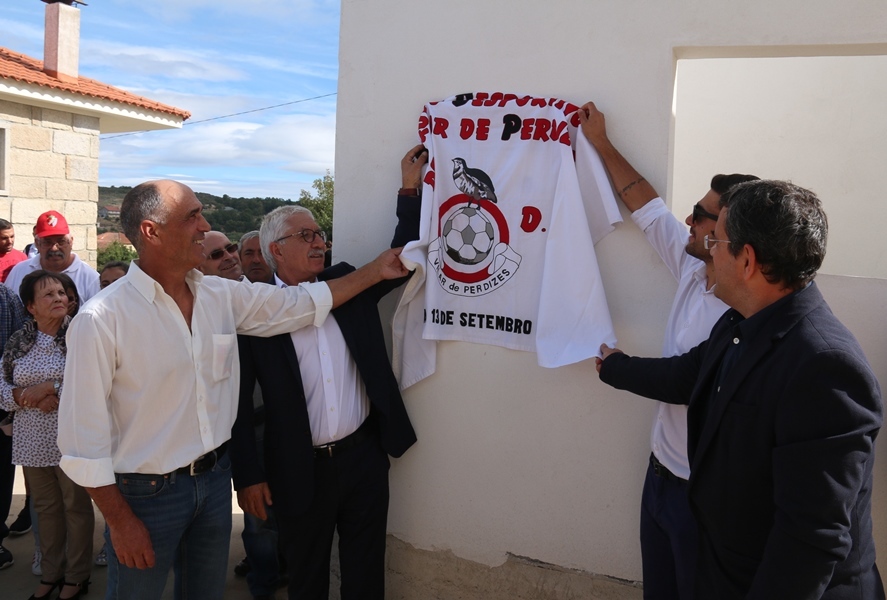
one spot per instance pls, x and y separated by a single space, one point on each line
233 216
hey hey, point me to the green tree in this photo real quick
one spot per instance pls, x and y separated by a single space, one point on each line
115 251
320 203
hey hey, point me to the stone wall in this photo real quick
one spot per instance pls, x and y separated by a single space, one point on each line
53 164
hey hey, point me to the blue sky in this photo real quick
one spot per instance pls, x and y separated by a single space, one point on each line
212 58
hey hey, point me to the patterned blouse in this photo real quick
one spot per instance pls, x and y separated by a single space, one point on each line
32 357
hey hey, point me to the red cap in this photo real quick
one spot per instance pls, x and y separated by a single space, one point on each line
51 223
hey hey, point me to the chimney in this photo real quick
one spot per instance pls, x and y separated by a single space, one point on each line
61 41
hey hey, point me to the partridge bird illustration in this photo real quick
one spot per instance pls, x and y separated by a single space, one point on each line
473 182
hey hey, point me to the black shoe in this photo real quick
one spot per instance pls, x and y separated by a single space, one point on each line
5 558
22 523
82 589
52 586
243 567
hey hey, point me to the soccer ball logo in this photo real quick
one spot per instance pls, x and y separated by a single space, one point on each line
467 236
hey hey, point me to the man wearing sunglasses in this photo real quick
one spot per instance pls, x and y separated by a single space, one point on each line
333 413
783 413
668 529
222 258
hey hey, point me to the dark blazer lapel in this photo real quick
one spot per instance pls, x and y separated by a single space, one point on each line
289 351
780 323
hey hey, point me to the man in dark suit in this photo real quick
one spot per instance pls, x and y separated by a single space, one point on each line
784 410
333 412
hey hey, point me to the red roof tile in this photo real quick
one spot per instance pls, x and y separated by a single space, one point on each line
103 240
30 70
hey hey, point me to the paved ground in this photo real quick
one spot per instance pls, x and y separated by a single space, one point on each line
18 582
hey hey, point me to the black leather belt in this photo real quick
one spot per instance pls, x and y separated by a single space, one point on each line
346 443
204 463
660 470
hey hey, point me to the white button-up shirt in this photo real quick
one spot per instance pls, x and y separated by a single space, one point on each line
693 313
334 390
143 392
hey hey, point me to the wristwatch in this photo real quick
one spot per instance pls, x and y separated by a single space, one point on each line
56 386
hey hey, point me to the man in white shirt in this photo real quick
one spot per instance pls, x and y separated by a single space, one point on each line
260 540
668 530
150 394
53 239
333 414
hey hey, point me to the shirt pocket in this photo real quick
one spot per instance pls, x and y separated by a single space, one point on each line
224 349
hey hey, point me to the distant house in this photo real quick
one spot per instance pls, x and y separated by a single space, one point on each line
103 240
109 211
50 122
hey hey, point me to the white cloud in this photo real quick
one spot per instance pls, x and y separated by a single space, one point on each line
179 63
19 35
277 158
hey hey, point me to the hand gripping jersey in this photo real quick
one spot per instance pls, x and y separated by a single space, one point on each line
506 248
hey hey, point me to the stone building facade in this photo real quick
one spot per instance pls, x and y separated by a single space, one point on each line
50 122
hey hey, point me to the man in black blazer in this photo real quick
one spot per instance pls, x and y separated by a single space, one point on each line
333 414
784 411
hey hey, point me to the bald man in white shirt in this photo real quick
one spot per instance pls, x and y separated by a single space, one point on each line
152 380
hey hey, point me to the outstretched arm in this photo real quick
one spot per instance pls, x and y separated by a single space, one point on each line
632 188
386 266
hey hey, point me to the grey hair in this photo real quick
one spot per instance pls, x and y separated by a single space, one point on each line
274 227
248 236
142 203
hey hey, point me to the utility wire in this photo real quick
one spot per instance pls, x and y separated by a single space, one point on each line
246 112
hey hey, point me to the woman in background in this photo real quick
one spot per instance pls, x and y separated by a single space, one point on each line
33 367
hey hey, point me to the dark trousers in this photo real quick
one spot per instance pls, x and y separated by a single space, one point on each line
7 479
669 540
351 495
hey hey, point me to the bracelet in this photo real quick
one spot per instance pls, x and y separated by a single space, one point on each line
408 192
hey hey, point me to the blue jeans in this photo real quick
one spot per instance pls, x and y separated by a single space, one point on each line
189 519
260 540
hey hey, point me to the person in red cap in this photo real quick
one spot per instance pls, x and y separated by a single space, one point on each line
9 256
54 240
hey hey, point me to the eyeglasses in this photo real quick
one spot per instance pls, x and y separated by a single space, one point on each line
699 212
709 242
220 252
306 234
55 240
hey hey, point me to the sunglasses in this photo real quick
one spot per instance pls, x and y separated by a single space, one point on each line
699 212
217 254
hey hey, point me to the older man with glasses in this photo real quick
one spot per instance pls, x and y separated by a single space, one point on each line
333 413
55 242
668 529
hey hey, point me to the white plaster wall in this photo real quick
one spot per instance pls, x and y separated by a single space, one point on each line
513 458
816 120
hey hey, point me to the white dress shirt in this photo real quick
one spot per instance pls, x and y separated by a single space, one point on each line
143 392
334 390
85 278
693 313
